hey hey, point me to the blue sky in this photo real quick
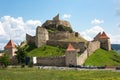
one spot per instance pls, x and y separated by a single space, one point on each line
88 17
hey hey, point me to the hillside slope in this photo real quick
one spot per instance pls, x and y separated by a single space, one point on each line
45 51
103 58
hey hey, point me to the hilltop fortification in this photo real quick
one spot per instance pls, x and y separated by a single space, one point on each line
58 32
56 22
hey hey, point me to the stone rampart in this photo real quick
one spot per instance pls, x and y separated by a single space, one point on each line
76 45
92 46
58 35
81 59
51 61
30 39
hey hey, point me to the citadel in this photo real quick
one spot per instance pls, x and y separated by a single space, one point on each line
58 32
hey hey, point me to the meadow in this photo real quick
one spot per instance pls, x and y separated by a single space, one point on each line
50 74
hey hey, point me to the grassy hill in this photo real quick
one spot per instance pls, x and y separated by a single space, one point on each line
44 51
102 57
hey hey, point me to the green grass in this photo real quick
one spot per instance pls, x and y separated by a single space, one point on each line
46 51
74 39
103 58
41 74
29 47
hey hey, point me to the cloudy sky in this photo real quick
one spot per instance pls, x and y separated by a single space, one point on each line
88 17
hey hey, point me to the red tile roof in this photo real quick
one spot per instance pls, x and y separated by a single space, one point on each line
104 36
10 44
70 47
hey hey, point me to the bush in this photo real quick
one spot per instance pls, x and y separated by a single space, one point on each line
4 60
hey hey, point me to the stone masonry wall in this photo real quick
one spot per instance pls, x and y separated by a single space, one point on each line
41 36
71 58
60 35
92 46
51 61
76 45
30 39
105 44
81 59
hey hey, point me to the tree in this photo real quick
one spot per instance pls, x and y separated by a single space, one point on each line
4 60
21 55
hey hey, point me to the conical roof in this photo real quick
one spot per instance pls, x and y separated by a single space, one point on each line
70 47
10 44
104 36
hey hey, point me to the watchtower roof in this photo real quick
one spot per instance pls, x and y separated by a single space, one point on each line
70 47
104 36
97 36
10 44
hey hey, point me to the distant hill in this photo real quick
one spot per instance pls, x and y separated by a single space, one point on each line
103 58
1 51
115 46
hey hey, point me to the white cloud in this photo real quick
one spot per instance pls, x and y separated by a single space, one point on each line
115 39
2 32
16 28
97 21
66 16
90 33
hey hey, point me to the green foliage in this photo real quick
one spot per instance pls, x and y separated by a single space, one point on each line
47 51
21 55
29 47
116 58
103 58
64 28
53 27
45 74
4 60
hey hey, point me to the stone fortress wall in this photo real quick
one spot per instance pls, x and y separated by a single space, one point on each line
41 36
30 39
77 45
91 47
61 60
60 35
51 61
